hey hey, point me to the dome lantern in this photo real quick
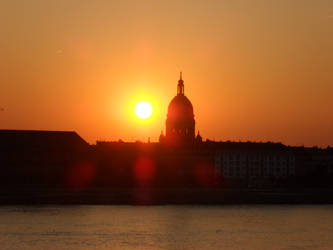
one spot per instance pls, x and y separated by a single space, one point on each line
180 86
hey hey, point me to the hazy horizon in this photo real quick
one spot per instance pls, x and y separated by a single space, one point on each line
254 70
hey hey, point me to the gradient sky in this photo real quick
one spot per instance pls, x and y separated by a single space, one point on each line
254 70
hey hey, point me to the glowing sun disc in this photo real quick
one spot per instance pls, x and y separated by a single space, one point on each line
143 110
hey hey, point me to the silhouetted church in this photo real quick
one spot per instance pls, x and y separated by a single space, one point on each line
180 123
55 167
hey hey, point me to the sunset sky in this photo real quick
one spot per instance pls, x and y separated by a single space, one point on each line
254 70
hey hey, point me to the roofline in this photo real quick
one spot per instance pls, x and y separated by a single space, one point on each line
35 130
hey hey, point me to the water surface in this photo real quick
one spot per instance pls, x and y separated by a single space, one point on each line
166 227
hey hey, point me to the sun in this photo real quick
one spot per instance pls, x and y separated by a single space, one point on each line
143 110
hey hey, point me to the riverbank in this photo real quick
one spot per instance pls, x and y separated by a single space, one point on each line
146 196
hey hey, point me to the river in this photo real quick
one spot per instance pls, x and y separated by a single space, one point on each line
167 227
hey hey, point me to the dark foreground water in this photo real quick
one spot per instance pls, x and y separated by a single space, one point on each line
166 227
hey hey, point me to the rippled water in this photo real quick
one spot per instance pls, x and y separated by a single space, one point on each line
166 227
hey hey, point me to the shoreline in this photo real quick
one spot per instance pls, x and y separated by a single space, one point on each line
165 196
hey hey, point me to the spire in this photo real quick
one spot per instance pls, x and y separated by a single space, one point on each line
180 86
162 137
198 138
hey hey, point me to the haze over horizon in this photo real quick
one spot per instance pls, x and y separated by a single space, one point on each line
254 70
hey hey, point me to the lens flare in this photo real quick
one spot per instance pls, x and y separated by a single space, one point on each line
143 110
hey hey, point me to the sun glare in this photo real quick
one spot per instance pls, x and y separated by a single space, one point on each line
143 110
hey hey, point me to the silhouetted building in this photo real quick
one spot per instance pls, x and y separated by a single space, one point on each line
180 123
40 140
35 158
40 161
256 164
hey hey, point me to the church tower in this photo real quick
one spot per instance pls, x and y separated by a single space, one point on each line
180 123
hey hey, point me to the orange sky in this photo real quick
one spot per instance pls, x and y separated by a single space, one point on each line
254 70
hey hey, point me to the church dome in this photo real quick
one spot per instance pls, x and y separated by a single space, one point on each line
180 107
180 123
